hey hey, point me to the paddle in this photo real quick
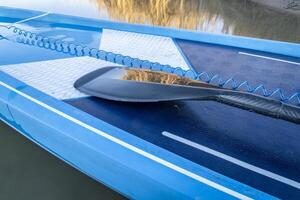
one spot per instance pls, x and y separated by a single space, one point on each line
139 85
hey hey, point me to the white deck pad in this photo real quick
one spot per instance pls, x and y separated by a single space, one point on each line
55 77
146 47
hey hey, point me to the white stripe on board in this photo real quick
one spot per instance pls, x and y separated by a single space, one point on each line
233 160
131 147
269 58
31 18
5 33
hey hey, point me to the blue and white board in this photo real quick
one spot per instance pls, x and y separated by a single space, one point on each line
171 150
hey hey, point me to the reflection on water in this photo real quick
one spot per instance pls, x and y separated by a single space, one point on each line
186 14
238 17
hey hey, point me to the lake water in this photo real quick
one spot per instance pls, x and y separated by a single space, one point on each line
27 172
236 17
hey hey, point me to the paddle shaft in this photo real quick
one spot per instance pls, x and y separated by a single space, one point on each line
259 104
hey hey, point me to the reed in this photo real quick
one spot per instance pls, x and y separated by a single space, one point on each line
172 13
237 17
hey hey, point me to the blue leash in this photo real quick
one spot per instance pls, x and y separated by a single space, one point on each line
29 38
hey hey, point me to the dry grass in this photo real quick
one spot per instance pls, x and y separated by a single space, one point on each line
237 17
186 14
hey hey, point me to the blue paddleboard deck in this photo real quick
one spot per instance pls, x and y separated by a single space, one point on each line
257 140
169 150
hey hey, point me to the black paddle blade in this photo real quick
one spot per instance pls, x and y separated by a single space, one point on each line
137 85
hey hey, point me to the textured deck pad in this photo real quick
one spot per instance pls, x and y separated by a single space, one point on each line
147 47
55 77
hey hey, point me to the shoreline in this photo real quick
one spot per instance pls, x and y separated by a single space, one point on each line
285 6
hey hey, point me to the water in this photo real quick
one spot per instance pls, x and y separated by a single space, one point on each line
236 17
28 172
